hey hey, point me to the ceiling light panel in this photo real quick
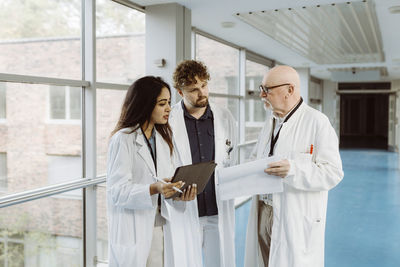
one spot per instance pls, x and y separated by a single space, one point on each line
326 34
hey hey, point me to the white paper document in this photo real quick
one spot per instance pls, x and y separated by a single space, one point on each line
248 179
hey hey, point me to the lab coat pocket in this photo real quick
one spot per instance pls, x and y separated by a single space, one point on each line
303 157
312 233
297 156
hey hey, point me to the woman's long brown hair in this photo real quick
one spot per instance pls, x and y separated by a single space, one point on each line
139 104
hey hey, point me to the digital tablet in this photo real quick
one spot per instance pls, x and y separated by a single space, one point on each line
198 173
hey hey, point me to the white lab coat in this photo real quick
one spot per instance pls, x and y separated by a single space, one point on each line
131 208
300 210
224 129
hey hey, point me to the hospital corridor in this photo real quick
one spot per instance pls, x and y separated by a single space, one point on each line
293 106
363 213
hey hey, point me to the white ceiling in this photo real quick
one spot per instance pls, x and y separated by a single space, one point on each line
207 15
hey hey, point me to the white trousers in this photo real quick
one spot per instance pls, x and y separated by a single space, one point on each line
210 240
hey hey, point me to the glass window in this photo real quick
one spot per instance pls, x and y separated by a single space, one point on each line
222 62
256 115
108 108
120 43
44 232
102 230
62 169
65 102
57 102
41 38
246 152
29 139
2 100
74 94
3 171
232 104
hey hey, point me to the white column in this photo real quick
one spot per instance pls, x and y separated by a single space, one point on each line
168 37
395 86
89 131
242 105
304 74
329 103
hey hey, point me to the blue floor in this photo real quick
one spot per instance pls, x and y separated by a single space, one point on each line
363 220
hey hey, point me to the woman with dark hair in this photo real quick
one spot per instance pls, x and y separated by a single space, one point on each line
145 228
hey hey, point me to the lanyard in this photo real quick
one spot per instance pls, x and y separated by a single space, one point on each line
153 155
275 139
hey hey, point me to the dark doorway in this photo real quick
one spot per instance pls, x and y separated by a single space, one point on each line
364 120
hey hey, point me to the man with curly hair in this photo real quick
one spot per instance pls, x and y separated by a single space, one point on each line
204 132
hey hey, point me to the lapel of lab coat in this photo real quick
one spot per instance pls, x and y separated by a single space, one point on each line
181 137
264 140
144 152
164 163
289 133
219 134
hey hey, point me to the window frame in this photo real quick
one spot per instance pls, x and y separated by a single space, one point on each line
3 178
3 87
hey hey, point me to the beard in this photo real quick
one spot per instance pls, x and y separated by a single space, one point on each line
267 106
200 103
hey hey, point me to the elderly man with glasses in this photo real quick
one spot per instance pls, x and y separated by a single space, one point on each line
287 229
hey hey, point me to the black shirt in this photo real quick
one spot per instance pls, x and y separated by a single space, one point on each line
202 147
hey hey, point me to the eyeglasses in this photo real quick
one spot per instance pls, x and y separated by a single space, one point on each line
266 89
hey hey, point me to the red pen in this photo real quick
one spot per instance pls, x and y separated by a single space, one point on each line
311 149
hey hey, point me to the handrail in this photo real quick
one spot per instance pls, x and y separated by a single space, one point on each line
252 142
42 192
25 196
17 78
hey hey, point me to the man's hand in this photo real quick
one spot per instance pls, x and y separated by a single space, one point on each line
279 168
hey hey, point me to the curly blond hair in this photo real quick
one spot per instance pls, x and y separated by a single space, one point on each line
186 72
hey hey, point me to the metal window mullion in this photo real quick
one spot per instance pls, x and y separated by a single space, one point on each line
112 86
225 95
259 59
376 91
16 78
89 130
18 198
251 102
194 44
248 143
131 4
215 38
242 100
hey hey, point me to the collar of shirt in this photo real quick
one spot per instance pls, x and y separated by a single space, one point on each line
207 114
153 134
280 120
